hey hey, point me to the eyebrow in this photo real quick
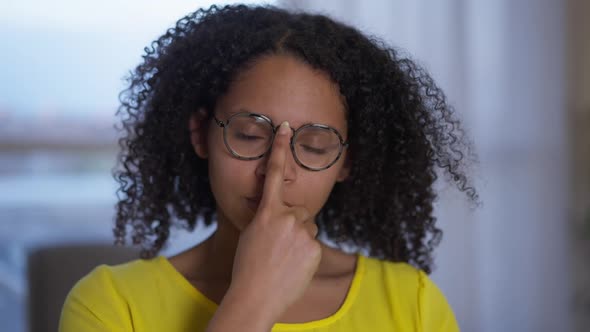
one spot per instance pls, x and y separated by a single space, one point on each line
242 109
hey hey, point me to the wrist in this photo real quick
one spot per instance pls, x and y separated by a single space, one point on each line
244 311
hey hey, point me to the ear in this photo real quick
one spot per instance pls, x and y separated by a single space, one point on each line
345 170
197 126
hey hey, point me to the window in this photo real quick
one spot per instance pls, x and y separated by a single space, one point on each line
62 67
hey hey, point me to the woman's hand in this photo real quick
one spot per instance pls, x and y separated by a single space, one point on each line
277 253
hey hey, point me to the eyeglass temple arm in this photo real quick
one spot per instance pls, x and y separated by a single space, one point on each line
218 122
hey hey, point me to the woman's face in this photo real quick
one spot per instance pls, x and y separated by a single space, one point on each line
283 89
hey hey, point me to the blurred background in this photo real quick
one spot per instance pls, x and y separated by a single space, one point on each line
518 72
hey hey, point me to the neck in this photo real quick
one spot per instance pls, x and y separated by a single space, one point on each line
219 251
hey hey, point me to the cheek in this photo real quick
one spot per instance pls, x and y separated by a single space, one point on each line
224 169
317 189
229 175
230 179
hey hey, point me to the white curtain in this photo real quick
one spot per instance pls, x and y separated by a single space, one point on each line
504 266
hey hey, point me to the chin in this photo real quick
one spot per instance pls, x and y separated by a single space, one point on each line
243 218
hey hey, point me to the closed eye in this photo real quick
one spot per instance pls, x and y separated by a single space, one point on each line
311 149
245 137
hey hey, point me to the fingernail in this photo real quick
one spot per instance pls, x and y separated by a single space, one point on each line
284 128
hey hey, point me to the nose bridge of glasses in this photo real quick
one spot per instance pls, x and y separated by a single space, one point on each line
275 130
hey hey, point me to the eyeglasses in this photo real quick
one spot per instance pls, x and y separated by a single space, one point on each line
249 136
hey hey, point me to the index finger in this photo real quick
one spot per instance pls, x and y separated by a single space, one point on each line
275 169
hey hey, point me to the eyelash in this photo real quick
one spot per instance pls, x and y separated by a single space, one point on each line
247 137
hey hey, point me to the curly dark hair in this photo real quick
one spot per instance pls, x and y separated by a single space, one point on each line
401 130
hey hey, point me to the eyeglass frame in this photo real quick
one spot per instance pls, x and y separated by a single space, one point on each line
223 124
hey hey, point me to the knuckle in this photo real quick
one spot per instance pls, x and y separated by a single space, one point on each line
302 214
314 248
313 230
305 214
290 219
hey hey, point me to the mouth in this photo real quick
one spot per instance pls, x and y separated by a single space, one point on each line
253 203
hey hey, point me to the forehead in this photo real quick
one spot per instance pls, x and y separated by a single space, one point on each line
285 89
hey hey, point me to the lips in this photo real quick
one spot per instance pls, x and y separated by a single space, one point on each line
253 203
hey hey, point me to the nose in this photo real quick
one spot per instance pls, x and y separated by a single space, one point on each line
291 167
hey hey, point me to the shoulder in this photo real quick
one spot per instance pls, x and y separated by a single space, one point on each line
101 297
115 277
395 274
412 291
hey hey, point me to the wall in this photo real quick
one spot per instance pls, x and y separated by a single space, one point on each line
579 111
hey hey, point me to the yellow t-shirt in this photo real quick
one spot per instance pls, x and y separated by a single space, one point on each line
151 295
